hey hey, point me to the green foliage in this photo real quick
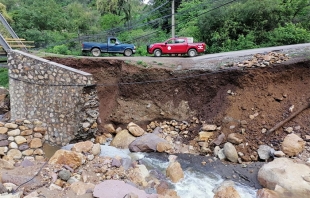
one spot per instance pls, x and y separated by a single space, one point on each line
289 34
60 49
109 21
4 77
60 25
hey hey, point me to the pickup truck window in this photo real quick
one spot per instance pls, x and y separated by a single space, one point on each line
179 41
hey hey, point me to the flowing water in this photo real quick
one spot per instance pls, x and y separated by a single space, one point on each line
197 182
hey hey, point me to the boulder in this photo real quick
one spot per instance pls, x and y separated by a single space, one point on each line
175 172
122 139
82 147
4 164
96 149
266 193
226 190
101 139
70 158
135 130
230 152
80 188
163 147
146 143
118 189
109 128
293 145
286 173
35 143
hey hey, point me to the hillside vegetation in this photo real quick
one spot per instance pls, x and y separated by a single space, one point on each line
59 26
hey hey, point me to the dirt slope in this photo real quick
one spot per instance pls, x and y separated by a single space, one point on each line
245 101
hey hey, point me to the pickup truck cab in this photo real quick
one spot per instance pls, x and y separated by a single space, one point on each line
113 45
179 45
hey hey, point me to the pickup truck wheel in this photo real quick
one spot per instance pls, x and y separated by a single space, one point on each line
95 52
128 52
157 52
192 52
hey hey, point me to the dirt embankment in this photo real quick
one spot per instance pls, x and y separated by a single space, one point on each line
246 101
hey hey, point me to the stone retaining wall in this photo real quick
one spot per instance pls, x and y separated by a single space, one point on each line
22 138
62 97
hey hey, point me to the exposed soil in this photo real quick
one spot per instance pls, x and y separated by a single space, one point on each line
130 93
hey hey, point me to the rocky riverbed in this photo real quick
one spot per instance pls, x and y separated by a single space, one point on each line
218 126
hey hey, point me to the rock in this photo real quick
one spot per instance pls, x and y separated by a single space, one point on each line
82 147
216 150
289 129
163 147
2 189
3 130
26 163
80 188
26 132
205 136
226 190
118 189
35 143
164 191
96 149
28 152
221 154
135 130
3 137
122 139
293 145
146 143
38 152
265 152
230 152
33 194
40 129
279 154
70 158
266 193
219 139
6 164
55 187
286 173
116 163
13 145
234 138
14 153
175 172
23 147
109 128
11 125
64 175
101 139
15 132
3 150
208 127
20 139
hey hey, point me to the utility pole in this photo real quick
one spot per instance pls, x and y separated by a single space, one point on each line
172 20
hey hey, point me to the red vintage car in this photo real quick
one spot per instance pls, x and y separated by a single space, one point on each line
179 45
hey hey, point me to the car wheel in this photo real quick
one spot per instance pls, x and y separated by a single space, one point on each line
128 52
157 52
96 52
192 52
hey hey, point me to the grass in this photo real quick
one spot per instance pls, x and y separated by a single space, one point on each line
4 77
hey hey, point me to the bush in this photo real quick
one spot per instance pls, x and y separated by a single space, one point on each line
287 35
4 77
60 49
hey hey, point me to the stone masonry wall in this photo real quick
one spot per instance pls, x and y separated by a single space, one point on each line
62 97
22 138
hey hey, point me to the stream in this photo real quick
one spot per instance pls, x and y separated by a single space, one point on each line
199 180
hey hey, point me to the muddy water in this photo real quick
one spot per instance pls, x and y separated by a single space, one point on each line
50 150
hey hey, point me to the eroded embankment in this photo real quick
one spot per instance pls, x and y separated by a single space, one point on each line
243 101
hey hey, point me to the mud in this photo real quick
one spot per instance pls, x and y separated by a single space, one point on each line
244 101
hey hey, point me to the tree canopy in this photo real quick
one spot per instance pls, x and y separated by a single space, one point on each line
223 25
